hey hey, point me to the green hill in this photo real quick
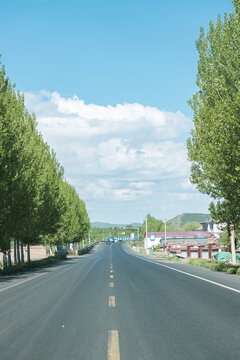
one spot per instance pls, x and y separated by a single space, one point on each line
179 221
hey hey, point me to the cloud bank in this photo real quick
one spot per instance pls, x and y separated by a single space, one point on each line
124 153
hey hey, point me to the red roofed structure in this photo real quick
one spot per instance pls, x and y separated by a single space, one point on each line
184 234
180 237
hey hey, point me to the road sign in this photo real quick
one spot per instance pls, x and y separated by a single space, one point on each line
152 237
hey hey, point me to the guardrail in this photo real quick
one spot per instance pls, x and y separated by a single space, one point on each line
87 248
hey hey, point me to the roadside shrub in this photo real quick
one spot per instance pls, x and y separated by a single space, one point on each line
231 270
174 258
218 266
200 262
225 268
214 265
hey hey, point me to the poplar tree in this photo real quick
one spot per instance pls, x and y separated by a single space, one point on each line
36 202
214 145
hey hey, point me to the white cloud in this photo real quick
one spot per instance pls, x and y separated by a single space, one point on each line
150 160
129 194
186 196
187 185
141 185
72 117
116 153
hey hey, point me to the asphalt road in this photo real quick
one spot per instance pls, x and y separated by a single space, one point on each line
112 305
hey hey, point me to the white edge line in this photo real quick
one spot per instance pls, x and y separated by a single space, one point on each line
32 278
11 286
186 273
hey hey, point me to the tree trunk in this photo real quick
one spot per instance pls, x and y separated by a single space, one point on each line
4 261
28 253
9 258
18 252
233 248
15 251
22 253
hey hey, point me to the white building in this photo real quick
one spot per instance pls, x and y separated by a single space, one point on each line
180 237
214 229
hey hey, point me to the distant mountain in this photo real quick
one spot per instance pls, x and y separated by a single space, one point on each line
102 225
179 221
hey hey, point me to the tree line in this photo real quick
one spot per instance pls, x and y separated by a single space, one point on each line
37 205
214 145
153 225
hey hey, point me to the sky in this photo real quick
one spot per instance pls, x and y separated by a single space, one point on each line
109 83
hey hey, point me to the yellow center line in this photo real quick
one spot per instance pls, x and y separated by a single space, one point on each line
111 271
111 276
113 345
112 301
111 284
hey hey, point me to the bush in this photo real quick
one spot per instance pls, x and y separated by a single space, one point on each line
238 271
231 270
225 268
218 266
214 265
174 258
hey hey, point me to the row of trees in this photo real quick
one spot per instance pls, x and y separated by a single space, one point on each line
99 234
214 146
154 225
35 200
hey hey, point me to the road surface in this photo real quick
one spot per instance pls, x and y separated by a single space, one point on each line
113 304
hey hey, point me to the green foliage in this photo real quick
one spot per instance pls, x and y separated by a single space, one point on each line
74 224
35 198
174 258
179 221
190 226
232 270
225 240
214 147
154 225
217 266
99 234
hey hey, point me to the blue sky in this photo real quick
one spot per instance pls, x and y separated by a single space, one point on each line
109 82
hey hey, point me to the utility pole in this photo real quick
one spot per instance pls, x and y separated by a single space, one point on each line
165 234
146 235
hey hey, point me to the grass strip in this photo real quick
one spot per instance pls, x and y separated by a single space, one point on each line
216 266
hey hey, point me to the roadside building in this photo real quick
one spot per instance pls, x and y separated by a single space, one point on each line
187 237
195 244
214 229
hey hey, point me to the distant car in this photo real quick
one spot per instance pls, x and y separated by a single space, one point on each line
179 256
